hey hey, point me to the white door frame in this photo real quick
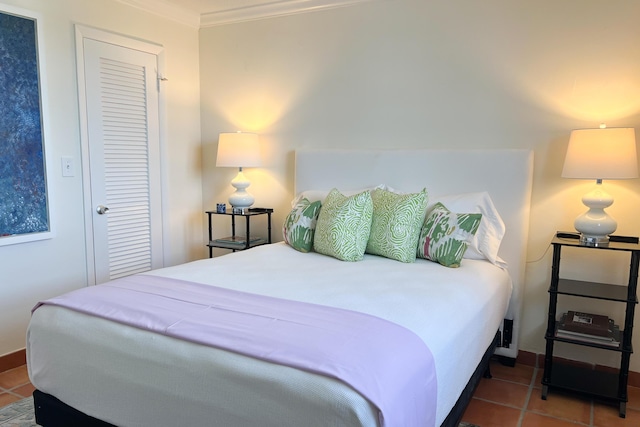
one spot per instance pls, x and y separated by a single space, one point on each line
83 32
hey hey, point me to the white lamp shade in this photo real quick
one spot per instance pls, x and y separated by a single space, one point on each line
239 149
605 153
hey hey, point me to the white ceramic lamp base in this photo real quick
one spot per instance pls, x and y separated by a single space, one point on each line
241 198
596 224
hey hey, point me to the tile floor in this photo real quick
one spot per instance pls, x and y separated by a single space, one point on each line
14 385
510 399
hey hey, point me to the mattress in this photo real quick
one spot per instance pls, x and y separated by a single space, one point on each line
131 377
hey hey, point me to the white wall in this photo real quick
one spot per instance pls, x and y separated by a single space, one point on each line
33 271
426 73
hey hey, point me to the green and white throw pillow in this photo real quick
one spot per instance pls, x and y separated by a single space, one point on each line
300 225
343 226
445 235
395 228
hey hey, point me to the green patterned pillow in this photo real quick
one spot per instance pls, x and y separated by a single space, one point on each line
300 225
395 228
343 225
445 235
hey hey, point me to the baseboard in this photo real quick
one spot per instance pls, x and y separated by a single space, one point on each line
13 360
537 361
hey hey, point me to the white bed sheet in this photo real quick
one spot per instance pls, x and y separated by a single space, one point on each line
146 379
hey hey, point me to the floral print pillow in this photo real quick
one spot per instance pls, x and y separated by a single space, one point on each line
445 235
300 225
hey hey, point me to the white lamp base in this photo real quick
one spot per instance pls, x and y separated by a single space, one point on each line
596 224
241 198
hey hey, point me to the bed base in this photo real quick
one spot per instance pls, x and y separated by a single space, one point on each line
482 370
51 412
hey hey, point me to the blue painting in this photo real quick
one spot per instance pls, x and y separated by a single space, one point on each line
23 187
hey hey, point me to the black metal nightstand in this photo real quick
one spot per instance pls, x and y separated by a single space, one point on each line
597 383
239 243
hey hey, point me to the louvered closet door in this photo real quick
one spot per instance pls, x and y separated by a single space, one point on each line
123 130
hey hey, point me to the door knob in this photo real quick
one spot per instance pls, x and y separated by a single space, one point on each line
102 209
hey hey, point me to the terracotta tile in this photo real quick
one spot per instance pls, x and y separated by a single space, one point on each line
24 390
6 398
608 416
634 398
560 405
536 420
540 361
537 383
520 373
14 377
504 392
487 414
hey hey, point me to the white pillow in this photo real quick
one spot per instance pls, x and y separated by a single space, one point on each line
320 195
486 242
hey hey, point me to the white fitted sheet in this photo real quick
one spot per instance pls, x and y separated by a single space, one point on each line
132 377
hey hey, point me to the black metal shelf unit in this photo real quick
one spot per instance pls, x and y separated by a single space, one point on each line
235 242
596 383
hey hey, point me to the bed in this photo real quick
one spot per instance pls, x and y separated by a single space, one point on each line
98 371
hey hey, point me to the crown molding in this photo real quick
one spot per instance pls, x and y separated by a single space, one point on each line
229 15
270 10
167 10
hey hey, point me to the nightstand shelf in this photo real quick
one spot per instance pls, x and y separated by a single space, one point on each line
610 385
595 290
585 381
235 242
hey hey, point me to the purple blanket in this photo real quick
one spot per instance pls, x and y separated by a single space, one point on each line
386 363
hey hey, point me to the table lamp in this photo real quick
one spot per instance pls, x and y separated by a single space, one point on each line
239 149
605 153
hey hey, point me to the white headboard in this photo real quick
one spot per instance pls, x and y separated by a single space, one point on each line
505 174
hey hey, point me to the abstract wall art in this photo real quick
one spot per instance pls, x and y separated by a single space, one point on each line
24 201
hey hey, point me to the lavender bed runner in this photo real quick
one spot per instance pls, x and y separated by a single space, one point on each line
385 362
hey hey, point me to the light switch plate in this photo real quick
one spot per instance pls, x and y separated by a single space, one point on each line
68 167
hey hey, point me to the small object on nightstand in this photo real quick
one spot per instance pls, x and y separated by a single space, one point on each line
624 239
607 334
567 235
221 208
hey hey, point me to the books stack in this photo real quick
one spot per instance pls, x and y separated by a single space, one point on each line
590 328
237 240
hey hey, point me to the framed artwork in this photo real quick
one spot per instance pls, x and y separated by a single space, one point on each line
25 211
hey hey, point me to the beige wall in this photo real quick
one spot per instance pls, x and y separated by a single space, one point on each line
425 73
33 271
